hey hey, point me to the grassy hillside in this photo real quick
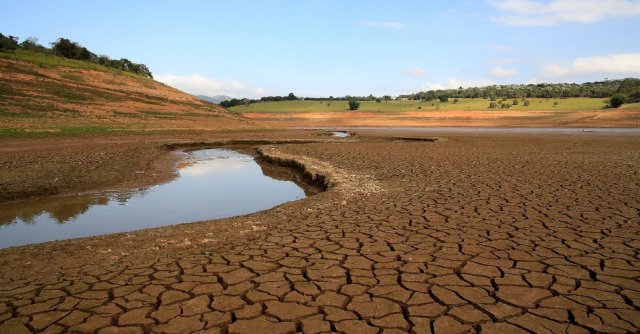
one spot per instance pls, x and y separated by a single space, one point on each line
44 60
569 104
45 95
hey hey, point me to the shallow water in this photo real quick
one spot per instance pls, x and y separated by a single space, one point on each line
556 130
212 183
340 134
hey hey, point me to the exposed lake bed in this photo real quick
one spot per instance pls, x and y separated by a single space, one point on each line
480 218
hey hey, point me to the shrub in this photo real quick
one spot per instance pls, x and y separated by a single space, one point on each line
617 100
526 103
515 102
493 105
354 104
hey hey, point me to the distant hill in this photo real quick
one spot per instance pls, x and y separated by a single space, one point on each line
216 99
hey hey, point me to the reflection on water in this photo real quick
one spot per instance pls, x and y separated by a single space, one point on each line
212 183
340 134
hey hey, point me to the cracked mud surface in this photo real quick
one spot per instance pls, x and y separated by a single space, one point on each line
488 234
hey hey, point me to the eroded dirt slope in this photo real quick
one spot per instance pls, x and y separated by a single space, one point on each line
60 99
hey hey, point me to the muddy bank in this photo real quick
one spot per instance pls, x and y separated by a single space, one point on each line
68 168
39 168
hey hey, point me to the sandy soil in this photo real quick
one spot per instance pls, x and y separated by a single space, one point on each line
475 232
502 118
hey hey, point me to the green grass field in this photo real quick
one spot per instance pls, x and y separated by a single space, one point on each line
46 60
569 104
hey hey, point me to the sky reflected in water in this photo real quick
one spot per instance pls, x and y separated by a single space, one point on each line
212 183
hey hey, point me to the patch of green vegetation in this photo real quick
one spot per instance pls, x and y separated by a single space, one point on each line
19 114
12 67
66 132
479 104
631 106
127 114
159 114
82 131
73 77
10 92
67 94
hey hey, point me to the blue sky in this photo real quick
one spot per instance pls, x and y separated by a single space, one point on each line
321 48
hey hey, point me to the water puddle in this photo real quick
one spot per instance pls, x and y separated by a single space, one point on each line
212 183
340 134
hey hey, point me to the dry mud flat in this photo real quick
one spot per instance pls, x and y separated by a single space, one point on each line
490 233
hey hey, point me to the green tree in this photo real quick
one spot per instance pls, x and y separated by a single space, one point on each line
354 104
65 48
630 87
291 97
31 44
617 100
8 42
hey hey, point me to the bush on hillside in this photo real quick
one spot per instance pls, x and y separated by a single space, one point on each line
8 42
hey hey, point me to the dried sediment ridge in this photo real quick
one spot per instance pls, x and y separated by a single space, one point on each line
321 173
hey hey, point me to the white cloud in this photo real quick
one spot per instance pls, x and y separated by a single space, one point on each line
198 84
453 83
387 25
508 61
415 72
502 48
210 166
501 72
547 13
621 64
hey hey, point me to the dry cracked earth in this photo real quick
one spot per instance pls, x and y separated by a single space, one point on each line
495 233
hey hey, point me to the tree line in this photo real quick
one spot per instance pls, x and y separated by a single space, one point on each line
238 102
66 48
625 90
598 89
292 97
